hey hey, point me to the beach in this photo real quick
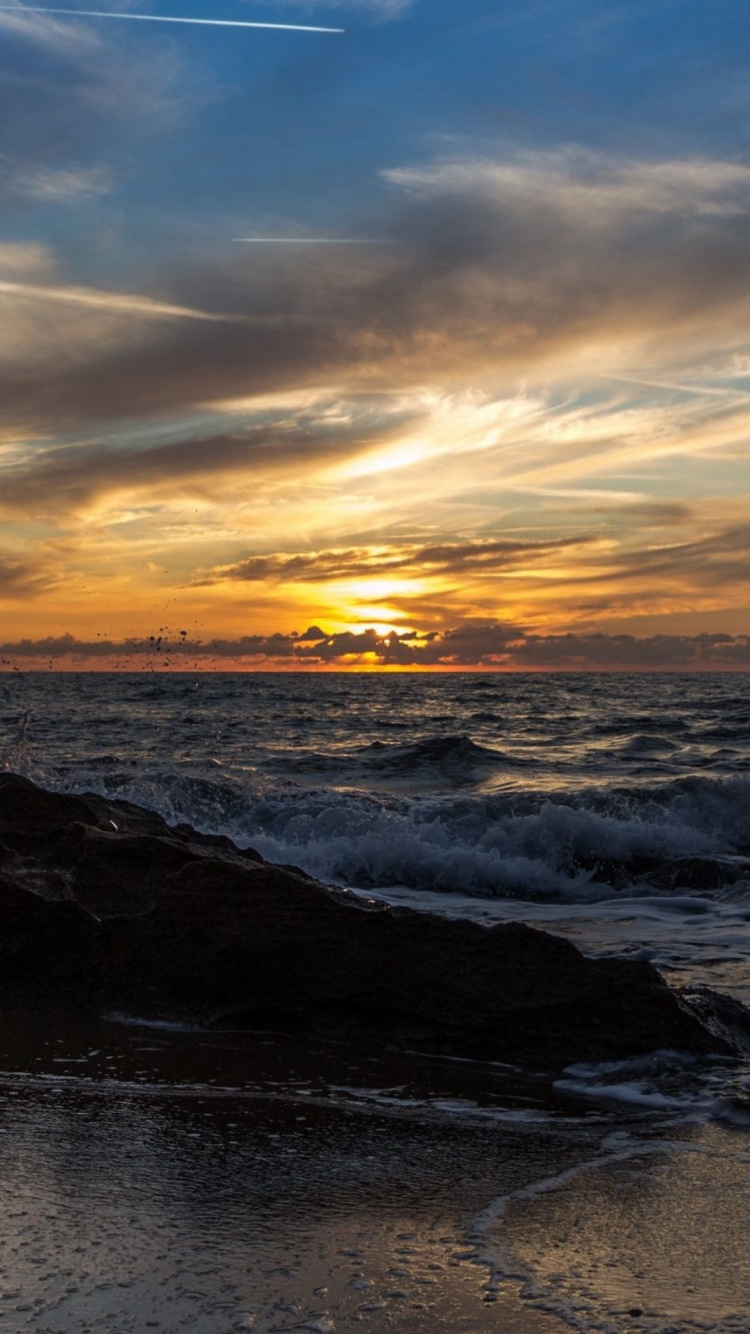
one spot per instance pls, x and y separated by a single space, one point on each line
167 1175
141 1191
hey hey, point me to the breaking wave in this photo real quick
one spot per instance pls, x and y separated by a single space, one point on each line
585 845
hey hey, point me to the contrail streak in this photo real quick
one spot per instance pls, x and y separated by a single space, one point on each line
311 240
163 18
115 301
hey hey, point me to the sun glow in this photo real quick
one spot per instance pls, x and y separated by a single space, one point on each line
383 629
403 454
374 602
377 590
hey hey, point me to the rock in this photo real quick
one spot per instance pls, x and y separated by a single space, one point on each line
103 904
697 873
723 1016
665 873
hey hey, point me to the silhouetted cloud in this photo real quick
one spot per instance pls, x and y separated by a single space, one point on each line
442 558
474 645
595 575
719 561
600 652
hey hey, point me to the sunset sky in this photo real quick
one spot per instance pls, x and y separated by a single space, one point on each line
424 342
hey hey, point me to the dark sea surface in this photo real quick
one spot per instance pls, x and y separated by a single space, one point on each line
569 800
612 809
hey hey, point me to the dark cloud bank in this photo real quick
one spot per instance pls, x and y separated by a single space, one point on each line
473 645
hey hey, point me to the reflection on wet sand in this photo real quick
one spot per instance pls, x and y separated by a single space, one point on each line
333 1188
127 1213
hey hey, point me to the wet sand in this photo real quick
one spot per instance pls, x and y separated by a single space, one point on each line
128 1212
140 1191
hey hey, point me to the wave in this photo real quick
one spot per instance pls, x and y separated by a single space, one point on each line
660 1081
441 753
437 761
582 846
644 744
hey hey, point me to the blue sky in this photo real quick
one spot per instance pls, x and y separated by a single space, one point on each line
526 409
206 127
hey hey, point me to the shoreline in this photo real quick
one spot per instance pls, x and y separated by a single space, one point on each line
287 1196
127 1208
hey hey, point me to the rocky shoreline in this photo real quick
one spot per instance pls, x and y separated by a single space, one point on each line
104 907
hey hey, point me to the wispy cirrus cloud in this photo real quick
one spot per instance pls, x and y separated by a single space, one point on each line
72 99
55 479
502 269
119 303
589 188
383 10
55 185
24 578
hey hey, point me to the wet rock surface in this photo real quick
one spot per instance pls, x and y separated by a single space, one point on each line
103 905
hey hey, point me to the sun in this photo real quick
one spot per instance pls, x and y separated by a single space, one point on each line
376 603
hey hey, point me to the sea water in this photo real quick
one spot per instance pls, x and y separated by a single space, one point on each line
487 796
612 809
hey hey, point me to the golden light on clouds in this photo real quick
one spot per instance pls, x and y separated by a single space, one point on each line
403 454
532 412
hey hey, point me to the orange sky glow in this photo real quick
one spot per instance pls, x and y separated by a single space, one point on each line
514 436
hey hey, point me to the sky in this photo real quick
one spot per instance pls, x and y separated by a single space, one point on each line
422 343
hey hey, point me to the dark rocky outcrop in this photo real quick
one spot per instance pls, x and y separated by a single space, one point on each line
670 874
103 904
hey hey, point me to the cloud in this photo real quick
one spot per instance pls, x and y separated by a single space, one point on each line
23 579
540 266
26 259
244 382
474 645
74 98
590 189
717 562
590 573
55 480
120 303
383 10
55 185
478 556
600 652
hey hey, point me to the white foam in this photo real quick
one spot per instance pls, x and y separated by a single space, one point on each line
534 843
134 1021
643 1276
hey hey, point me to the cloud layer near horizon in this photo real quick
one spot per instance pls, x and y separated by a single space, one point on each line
476 645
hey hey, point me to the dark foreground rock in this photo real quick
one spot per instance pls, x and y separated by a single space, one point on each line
104 905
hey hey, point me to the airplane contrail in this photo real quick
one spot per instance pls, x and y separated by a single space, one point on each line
312 240
163 18
118 302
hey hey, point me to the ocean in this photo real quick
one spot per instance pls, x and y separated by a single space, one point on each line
612 809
